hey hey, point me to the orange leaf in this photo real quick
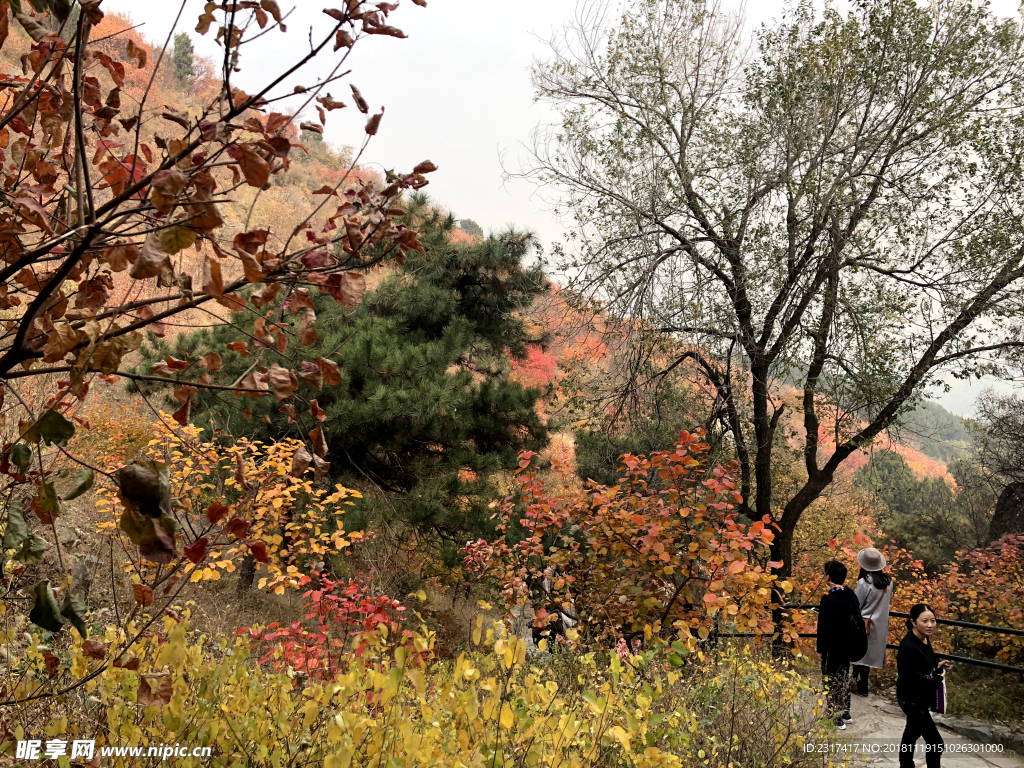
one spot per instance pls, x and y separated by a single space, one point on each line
143 594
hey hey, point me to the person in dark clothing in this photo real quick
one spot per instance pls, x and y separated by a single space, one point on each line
834 612
919 675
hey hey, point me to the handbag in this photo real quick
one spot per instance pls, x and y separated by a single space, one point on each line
869 619
940 698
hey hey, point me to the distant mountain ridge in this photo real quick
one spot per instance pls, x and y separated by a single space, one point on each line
937 433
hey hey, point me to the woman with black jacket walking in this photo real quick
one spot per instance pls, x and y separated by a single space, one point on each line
919 675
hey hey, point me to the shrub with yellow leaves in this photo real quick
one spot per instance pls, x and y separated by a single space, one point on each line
187 511
398 706
248 501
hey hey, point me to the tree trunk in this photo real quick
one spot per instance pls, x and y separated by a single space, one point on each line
1009 514
246 575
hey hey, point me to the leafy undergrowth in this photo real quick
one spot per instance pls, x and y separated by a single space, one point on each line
394 704
986 694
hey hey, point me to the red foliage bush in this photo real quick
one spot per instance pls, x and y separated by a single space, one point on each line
337 614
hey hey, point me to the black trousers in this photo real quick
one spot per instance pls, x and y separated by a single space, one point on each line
837 684
860 677
920 723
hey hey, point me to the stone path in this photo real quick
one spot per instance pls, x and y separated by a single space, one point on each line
877 722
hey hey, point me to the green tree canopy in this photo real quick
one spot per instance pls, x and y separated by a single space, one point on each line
926 516
184 53
425 411
470 226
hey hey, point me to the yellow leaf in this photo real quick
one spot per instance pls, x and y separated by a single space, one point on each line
507 719
617 733
177 239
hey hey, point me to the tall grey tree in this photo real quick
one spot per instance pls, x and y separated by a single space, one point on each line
826 220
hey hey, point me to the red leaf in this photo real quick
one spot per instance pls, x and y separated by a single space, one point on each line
184 413
259 552
197 550
237 527
217 512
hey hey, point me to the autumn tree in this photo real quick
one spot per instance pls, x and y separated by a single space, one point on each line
407 394
835 209
663 549
113 222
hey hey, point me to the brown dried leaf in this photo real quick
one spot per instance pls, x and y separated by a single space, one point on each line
35 30
373 124
306 333
133 51
240 477
155 691
240 347
316 411
281 383
329 369
261 335
237 527
165 187
119 257
211 362
254 168
94 649
348 288
62 339
157 328
184 393
361 104
301 460
251 268
271 7
5 29
143 594
184 414
319 444
265 295
213 283
152 258
311 374
320 469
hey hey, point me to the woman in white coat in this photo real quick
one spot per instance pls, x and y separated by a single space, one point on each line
874 590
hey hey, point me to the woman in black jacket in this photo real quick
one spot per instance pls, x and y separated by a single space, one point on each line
919 675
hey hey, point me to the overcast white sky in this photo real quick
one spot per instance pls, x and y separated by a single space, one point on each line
457 92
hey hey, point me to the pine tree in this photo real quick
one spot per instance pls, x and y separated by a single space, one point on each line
425 414
183 58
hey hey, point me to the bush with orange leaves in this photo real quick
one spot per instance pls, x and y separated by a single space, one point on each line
972 588
662 551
